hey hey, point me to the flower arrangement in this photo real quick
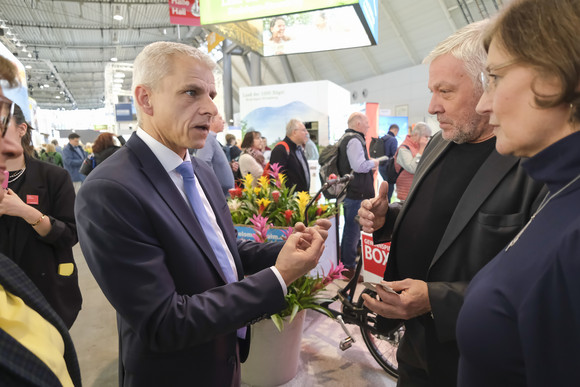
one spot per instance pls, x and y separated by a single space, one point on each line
272 204
273 200
305 292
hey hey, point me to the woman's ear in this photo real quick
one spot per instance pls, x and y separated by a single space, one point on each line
21 129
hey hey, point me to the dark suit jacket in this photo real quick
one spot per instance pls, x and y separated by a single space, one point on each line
176 316
497 203
19 366
291 165
39 257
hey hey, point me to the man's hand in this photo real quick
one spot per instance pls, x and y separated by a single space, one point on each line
372 212
235 166
321 225
412 301
300 254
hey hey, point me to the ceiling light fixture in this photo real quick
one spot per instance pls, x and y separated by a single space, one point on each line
119 75
114 59
117 16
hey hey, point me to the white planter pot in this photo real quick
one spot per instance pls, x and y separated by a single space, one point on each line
274 356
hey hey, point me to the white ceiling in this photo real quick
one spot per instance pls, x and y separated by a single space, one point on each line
71 42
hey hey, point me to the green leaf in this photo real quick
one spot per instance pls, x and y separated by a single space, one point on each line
277 320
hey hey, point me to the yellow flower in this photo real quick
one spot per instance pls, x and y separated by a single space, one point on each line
248 180
257 191
263 203
302 199
264 182
282 178
323 207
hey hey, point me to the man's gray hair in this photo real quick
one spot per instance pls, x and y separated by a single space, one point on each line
421 129
155 62
292 125
466 44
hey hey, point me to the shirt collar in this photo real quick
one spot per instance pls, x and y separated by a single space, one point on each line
168 158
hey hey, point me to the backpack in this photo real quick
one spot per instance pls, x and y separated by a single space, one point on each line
377 147
328 161
392 174
50 158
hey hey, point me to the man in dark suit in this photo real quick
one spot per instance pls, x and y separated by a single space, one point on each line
466 203
35 346
164 251
291 156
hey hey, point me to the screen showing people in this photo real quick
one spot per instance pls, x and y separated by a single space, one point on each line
327 29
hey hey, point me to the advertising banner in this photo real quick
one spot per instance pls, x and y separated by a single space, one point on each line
375 257
184 12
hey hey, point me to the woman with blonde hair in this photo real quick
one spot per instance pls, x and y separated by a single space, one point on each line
519 324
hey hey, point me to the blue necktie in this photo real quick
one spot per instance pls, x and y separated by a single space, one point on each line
185 169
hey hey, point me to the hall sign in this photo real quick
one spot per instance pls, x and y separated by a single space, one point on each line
184 12
375 257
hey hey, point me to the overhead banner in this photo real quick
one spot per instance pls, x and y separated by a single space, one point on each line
223 11
184 12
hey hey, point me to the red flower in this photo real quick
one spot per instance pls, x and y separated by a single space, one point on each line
332 176
318 211
276 196
235 192
288 215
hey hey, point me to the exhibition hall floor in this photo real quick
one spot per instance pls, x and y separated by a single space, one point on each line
322 363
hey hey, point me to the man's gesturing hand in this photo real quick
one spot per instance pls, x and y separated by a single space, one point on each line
372 212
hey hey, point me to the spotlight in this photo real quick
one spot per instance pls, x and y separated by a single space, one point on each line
117 16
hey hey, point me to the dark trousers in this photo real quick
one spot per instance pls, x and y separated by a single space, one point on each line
423 361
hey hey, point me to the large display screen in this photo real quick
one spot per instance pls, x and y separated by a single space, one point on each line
223 11
320 30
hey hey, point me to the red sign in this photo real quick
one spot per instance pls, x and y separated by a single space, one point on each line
375 256
31 199
184 12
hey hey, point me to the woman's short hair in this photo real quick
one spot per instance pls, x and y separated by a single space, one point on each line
249 139
50 148
230 138
421 129
544 35
104 141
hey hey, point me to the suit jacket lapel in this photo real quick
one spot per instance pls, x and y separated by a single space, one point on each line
436 150
162 183
481 186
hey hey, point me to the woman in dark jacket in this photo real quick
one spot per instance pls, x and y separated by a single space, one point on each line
37 224
104 146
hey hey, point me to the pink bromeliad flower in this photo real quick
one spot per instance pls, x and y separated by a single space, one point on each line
275 170
261 227
334 273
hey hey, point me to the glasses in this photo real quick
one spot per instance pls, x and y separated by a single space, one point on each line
486 76
6 112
